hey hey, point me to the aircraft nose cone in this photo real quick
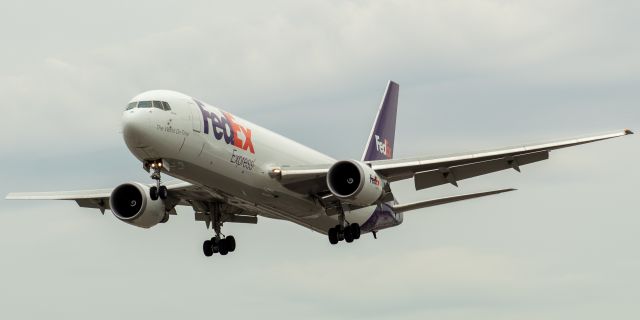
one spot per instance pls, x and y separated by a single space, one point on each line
135 128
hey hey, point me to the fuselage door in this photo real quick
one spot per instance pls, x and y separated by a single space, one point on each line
196 117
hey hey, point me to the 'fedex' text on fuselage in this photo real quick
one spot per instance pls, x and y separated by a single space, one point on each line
225 126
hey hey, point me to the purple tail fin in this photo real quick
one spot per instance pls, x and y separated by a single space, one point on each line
380 143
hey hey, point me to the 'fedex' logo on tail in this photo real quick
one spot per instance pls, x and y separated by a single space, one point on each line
383 146
225 126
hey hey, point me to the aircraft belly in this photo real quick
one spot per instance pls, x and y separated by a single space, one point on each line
241 176
254 191
245 188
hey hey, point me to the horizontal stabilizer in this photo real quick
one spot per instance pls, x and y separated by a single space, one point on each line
437 202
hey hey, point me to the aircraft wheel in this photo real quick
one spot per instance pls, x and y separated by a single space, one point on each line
163 193
223 247
348 234
355 229
231 243
333 235
207 248
215 245
153 193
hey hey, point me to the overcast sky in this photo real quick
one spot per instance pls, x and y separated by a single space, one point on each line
473 75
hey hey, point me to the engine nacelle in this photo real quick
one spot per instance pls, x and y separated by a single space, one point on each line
131 203
355 182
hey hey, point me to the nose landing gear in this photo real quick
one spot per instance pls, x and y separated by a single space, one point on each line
157 191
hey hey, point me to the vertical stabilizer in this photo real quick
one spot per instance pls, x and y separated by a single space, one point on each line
380 143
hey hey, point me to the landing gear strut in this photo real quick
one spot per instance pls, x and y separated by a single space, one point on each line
344 231
218 244
157 191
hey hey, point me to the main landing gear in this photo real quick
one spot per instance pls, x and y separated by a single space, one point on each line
344 231
218 244
157 191
349 233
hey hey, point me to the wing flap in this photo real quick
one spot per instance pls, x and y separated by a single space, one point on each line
303 179
95 203
444 175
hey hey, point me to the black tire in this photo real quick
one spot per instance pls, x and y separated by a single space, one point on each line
348 234
215 245
231 243
163 193
207 248
223 247
333 235
153 193
355 229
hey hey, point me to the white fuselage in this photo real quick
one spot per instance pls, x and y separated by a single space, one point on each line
232 159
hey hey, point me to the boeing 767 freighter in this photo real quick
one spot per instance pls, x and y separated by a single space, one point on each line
232 171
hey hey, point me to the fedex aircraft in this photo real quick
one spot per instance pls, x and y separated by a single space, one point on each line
232 171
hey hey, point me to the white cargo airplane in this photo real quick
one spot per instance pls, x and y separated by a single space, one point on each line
234 171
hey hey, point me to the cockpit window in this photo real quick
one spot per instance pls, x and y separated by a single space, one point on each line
144 104
158 104
162 105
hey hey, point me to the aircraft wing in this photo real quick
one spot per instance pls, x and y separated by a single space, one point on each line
181 193
99 198
433 171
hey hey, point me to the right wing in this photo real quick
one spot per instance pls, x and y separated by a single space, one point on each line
433 171
429 172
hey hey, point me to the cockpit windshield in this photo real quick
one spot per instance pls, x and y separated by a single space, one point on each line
144 104
162 105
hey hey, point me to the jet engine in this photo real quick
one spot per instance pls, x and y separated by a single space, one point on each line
131 203
355 182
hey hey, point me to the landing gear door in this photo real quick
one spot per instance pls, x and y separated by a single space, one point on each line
196 117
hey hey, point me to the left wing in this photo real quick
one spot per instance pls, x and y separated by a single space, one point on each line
433 171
